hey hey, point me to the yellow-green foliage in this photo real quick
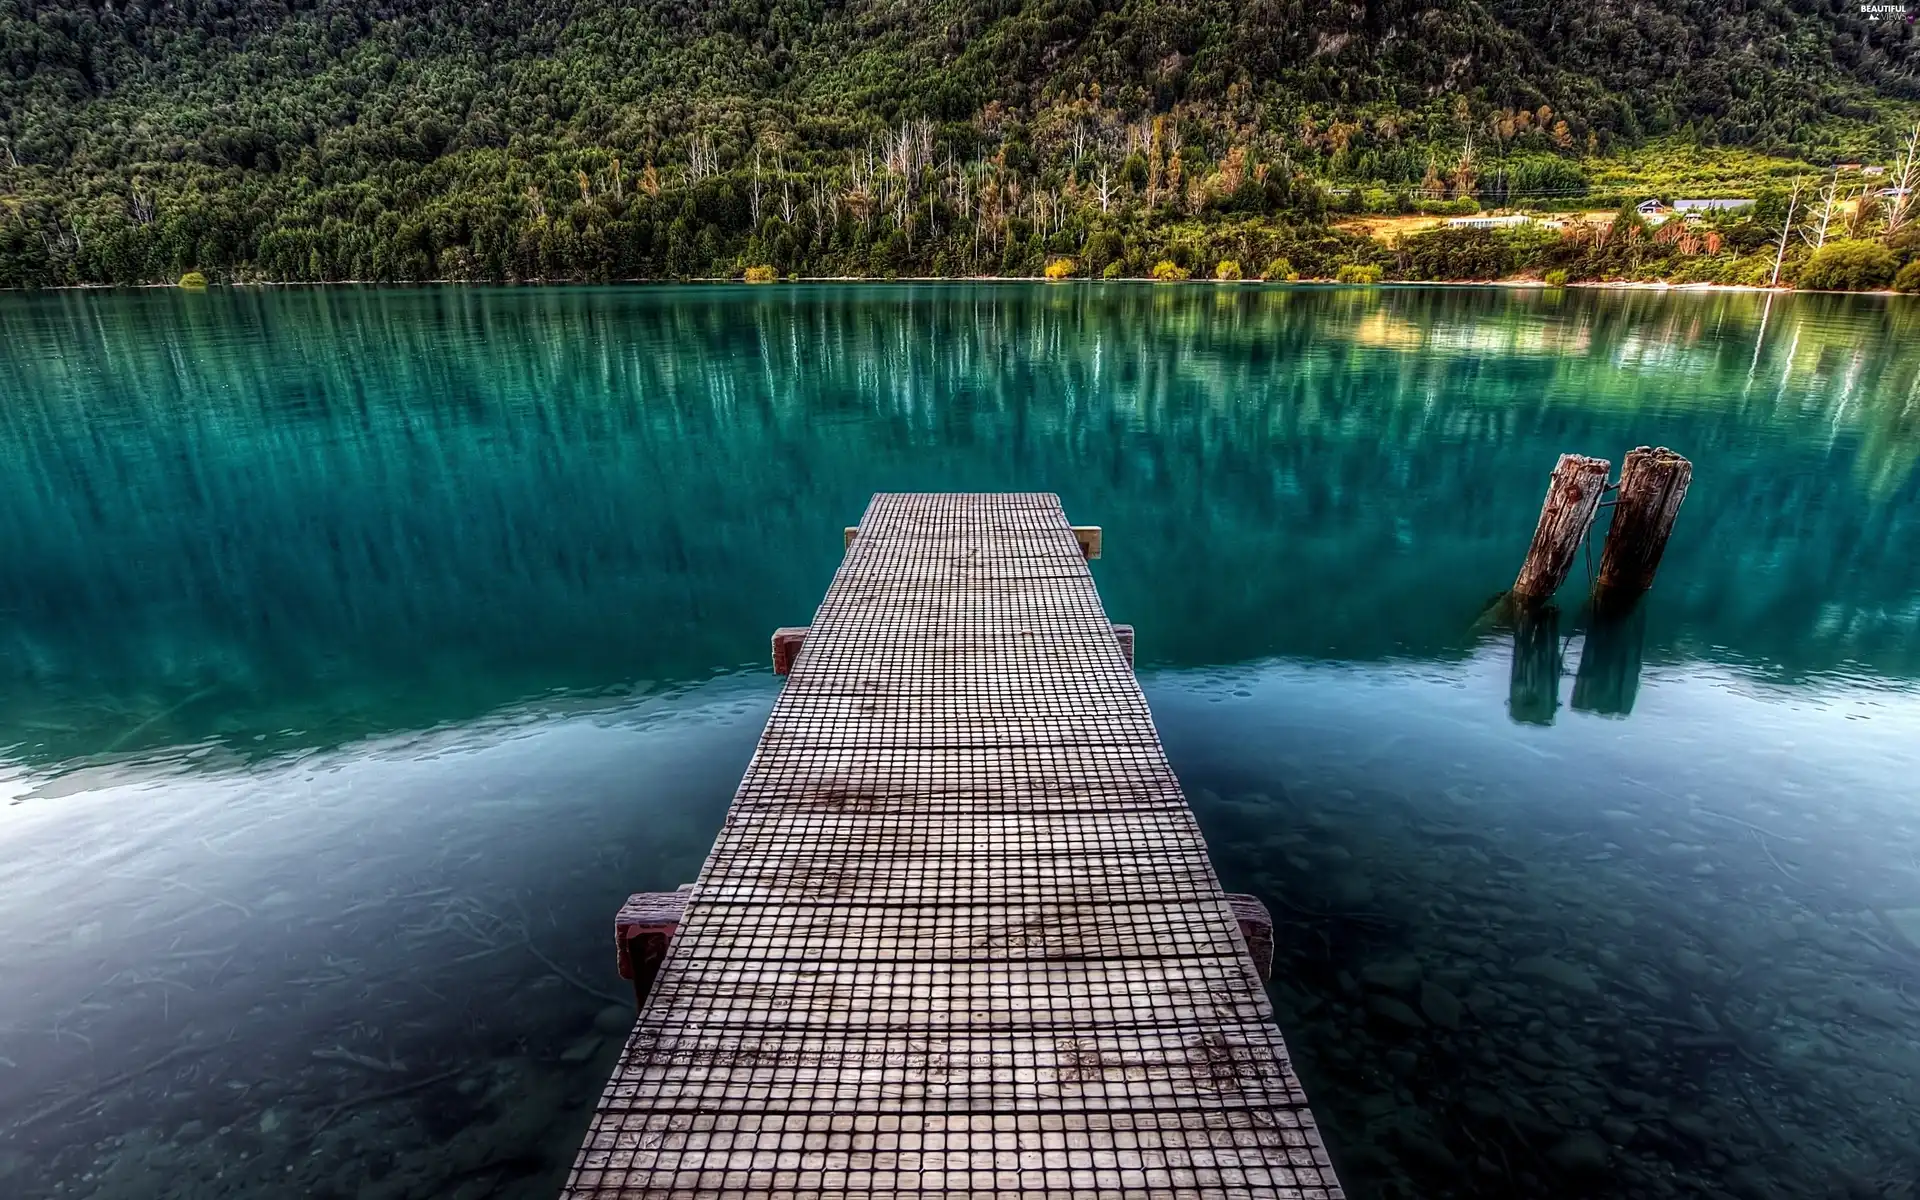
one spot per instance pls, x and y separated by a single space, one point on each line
1849 266
1908 280
1357 273
762 275
1113 271
1672 168
1228 271
1061 268
193 281
1280 271
1556 278
1167 271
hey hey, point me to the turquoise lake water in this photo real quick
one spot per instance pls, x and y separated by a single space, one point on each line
360 650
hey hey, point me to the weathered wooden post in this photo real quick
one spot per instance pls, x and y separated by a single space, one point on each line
1573 497
1653 484
642 930
1533 685
787 641
1609 675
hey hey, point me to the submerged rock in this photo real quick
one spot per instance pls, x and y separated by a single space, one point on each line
1398 974
1425 1148
1441 1006
1694 1126
1543 966
1352 891
615 1018
1906 923
1393 1010
1580 1153
1619 1130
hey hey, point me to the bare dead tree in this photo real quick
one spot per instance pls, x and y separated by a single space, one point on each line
1786 229
1829 200
1103 185
753 197
1900 211
701 160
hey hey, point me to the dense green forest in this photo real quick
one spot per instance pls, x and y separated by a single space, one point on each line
604 139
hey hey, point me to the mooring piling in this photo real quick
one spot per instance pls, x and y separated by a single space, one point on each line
1653 485
1573 497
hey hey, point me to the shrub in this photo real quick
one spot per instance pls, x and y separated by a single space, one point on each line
1113 271
1166 271
1455 253
1357 273
762 274
1060 268
194 281
1280 271
1228 270
1908 280
1556 277
1849 266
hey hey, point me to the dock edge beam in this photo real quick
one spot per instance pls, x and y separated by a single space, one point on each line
1088 536
788 639
643 929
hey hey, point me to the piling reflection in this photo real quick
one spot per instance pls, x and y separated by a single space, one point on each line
1533 686
1608 678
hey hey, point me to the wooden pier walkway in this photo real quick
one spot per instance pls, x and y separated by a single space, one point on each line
959 934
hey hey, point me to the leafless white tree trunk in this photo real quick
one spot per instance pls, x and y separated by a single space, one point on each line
1786 228
1829 200
701 161
754 197
1900 211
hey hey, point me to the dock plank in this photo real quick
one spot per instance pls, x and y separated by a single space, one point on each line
959 934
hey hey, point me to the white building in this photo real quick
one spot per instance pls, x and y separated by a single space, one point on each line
1488 222
1697 208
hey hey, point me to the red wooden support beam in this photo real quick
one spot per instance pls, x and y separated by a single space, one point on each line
786 647
642 929
1256 925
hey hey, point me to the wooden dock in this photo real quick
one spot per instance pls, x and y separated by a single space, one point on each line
959 934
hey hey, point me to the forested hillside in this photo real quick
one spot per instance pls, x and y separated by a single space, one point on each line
518 139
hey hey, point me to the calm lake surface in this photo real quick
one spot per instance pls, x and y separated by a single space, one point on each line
361 650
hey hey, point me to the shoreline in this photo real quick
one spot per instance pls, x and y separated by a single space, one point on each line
1518 282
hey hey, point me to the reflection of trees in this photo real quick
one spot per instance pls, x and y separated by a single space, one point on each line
335 510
